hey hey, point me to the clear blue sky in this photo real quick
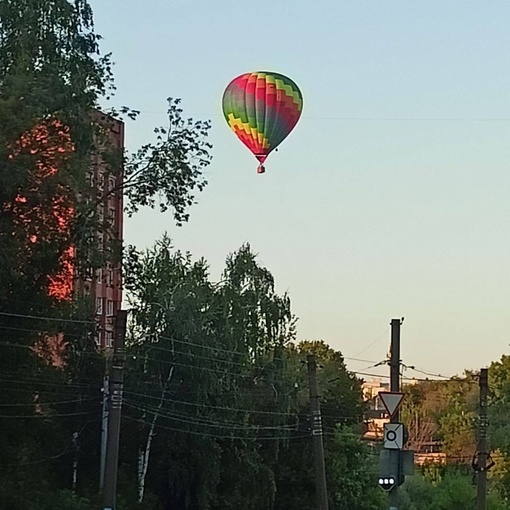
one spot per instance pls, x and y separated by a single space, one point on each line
390 198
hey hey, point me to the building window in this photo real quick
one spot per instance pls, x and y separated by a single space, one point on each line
111 215
109 339
99 306
109 308
112 183
88 273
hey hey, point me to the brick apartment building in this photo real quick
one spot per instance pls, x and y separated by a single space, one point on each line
105 284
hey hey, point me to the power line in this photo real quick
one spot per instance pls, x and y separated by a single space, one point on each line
364 360
39 317
373 343
46 383
425 372
252 367
237 410
207 369
194 356
382 376
224 372
53 457
47 333
46 403
41 461
219 436
196 420
219 408
39 391
203 346
370 119
226 351
47 416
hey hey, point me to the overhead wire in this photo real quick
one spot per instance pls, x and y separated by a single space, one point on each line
202 346
425 372
71 443
197 420
383 376
194 355
47 416
35 381
40 317
220 436
371 119
45 333
207 406
378 339
51 403
220 349
247 395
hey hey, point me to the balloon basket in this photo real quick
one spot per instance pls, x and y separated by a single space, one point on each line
261 169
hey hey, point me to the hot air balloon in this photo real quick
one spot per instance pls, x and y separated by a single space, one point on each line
262 108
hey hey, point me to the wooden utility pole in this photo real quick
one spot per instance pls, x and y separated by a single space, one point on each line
318 446
115 393
481 464
395 388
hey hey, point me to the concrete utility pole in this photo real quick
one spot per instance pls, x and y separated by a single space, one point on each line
104 431
318 446
395 387
115 392
481 482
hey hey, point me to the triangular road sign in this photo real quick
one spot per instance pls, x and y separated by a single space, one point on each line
391 401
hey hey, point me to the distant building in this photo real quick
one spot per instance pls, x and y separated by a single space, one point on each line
371 390
104 285
430 453
376 415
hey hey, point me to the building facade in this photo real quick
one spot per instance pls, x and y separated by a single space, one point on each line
107 281
104 285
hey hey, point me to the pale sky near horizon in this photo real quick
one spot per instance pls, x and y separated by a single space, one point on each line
389 199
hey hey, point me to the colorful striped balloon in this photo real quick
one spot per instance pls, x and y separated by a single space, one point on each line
262 108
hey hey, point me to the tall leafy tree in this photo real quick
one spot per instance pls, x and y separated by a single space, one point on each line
341 404
207 391
53 81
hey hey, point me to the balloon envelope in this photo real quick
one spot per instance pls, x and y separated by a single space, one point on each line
262 108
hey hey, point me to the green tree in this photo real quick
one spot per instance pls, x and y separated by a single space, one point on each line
341 403
499 429
454 491
443 412
499 387
206 384
53 80
353 473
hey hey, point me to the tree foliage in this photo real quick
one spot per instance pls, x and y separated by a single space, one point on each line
207 371
53 81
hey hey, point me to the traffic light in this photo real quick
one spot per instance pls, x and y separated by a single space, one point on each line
390 474
394 466
387 483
